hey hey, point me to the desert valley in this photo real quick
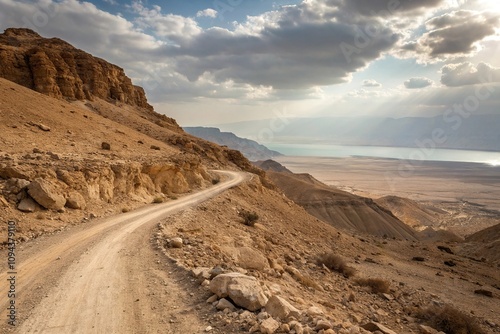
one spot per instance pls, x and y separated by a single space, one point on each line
125 223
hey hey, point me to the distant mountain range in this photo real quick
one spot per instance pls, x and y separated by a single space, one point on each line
251 149
477 132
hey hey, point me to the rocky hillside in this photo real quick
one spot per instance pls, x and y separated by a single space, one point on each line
339 208
250 148
53 67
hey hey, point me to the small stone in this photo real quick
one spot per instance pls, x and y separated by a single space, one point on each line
212 299
285 328
427 330
106 146
314 311
269 326
27 205
43 127
154 147
323 324
387 296
225 304
375 326
176 242
483 292
278 307
208 329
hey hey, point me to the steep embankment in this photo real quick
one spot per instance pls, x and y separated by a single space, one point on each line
484 245
339 208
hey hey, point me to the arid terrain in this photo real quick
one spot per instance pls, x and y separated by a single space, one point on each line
126 224
466 194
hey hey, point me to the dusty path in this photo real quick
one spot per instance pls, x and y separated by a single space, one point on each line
102 278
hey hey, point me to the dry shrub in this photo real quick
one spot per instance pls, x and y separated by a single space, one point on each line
336 263
450 320
249 218
158 200
377 285
307 281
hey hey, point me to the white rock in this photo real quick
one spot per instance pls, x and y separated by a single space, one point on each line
269 326
176 242
244 291
278 307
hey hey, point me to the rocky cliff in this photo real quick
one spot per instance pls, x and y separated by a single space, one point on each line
56 68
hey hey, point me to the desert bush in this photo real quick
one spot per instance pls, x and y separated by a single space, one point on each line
449 320
249 218
158 200
336 263
376 285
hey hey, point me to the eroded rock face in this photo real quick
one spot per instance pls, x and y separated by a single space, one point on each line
244 291
56 68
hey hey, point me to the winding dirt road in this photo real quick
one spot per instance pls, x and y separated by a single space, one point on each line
101 277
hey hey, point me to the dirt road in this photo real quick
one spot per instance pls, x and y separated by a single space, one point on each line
102 278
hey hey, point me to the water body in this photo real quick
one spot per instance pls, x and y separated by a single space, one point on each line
403 153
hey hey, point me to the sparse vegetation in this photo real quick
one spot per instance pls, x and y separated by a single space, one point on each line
158 200
249 218
336 263
449 320
376 285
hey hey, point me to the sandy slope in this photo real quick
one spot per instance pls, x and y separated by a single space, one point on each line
94 279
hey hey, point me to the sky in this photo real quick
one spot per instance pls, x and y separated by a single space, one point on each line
207 62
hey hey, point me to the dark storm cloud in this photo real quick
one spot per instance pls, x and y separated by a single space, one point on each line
297 50
389 7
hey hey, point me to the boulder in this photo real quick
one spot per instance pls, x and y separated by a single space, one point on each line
27 205
244 291
75 201
279 308
250 258
46 194
269 326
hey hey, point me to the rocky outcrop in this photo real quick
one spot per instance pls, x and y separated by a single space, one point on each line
46 194
56 68
244 291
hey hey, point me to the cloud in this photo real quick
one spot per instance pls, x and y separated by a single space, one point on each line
451 35
174 27
111 2
416 83
297 47
209 12
463 74
371 83
390 7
